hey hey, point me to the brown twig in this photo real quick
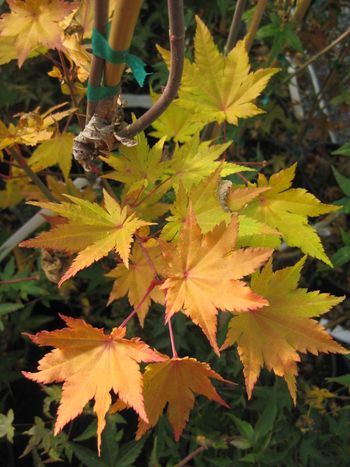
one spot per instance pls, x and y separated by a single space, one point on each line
33 176
20 279
254 25
301 10
191 456
234 28
319 54
70 86
177 31
97 64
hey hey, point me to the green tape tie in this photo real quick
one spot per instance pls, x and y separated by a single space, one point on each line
98 93
102 49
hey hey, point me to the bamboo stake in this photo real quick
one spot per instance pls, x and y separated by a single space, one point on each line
123 25
254 25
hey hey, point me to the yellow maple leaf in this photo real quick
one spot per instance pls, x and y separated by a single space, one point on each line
217 87
287 210
32 23
136 280
139 166
57 150
176 122
92 231
91 364
174 383
32 127
202 274
272 336
193 161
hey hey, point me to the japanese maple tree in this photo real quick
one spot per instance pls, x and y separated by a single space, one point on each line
172 225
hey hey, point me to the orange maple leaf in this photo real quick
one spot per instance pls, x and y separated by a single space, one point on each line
202 273
35 22
174 382
273 335
91 364
136 280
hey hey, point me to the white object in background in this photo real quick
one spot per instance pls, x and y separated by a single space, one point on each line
137 100
31 225
339 333
294 91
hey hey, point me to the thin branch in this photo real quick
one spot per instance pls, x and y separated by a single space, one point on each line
254 25
191 456
177 35
20 279
234 28
70 86
33 176
97 64
319 54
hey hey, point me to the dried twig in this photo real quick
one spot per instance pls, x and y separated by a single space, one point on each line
254 25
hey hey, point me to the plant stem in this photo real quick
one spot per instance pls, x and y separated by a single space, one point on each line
177 31
33 176
254 25
319 54
191 456
138 306
172 340
70 86
97 64
20 279
234 28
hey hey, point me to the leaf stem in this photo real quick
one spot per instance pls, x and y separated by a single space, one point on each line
138 306
172 340
177 36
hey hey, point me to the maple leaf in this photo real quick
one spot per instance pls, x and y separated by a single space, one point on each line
59 189
202 274
176 122
287 209
92 230
32 127
34 22
57 150
92 364
137 279
272 336
220 87
196 160
205 203
175 382
138 166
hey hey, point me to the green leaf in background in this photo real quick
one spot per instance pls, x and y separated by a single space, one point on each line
343 150
341 256
6 425
343 182
344 380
